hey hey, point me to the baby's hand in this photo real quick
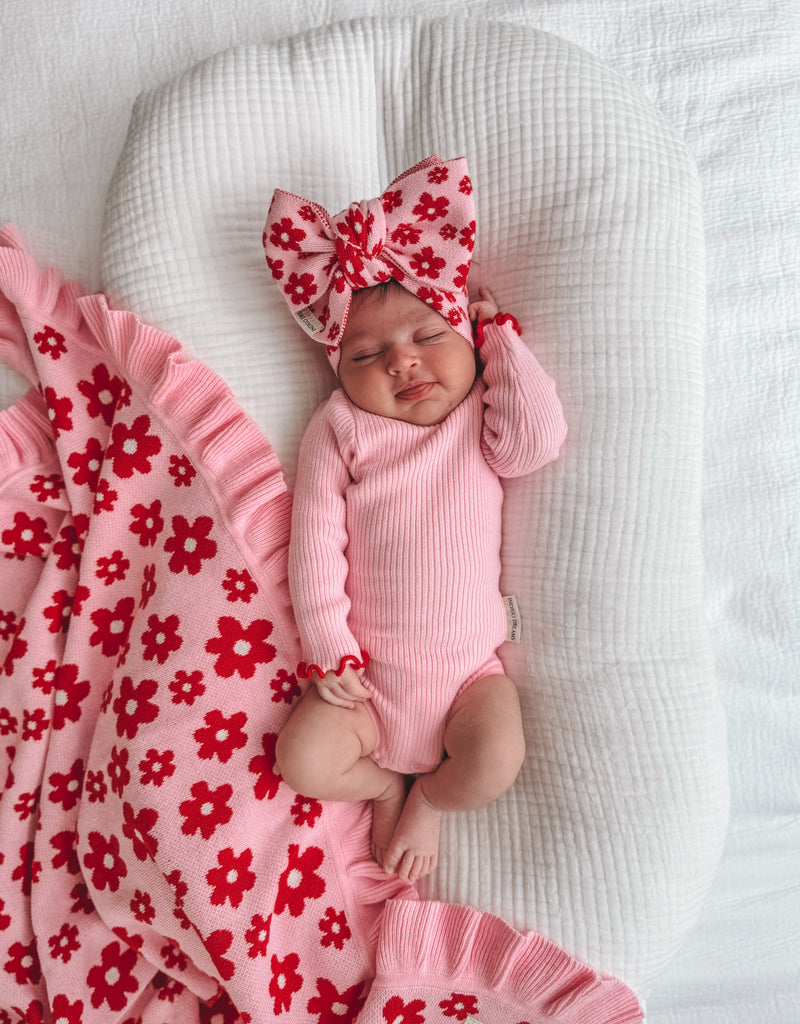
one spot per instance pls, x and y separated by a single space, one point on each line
485 308
345 691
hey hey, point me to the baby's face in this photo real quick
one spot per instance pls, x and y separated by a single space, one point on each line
401 359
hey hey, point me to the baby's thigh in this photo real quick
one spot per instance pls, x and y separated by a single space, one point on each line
484 724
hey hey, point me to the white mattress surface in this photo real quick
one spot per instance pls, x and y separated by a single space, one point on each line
725 78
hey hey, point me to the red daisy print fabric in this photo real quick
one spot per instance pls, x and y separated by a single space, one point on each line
153 864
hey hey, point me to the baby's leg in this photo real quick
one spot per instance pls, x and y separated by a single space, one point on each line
485 747
323 752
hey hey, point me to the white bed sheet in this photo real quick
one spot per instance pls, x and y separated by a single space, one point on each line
726 77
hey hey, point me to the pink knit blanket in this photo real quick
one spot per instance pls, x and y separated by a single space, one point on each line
153 865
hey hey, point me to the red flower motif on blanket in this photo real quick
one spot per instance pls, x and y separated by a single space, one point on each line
305 811
5 919
138 827
34 724
50 342
190 544
217 943
285 981
66 854
65 943
285 687
221 736
299 881
8 625
240 649
112 980
59 412
156 767
286 236
147 523
467 236
68 548
47 488
335 1007
239 585
113 626
133 706
59 611
334 928
23 963
142 907
104 862
28 870
406 234
186 687
104 393
264 767
161 638
65 1012
118 770
430 208
232 878
66 786
27 537
181 470
113 568
395 1011
132 447
95 787
459 1006
87 464
17 650
207 810
257 935
69 693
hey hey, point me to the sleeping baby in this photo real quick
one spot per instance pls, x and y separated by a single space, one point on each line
394 559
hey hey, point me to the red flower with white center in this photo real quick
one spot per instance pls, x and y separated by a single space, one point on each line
221 737
300 288
65 943
161 639
104 862
5 921
455 316
257 935
142 907
113 626
95 787
286 236
406 234
306 810
276 266
66 854
67 549
47 488
285 981
132 447
81 594
28 871
105 498
59 412
334 928
66 787
23 963
335 1007
18 649
391 200
173 956
87 464
395 1011
34 724
300 881
181 470
448 232
28 536
186 687
50 342
459 1006
65 1012
149 585
240 649
138 828
307 212
426 263
285 688
460 281
8 625
429 208
44 679
27 803
8 723
190 544
147 523
69 693
118 770
133 707
156 767
232 878
437 175
432 298
465 186
81 901
103 393
239 585
467 236
207 810
113 568
112 980
264 767
59 611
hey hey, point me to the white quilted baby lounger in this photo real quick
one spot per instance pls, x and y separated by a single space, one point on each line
589 232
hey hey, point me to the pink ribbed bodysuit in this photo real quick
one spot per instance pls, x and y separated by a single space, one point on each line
395 543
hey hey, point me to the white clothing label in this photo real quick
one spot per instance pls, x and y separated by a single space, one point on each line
513 620
308 321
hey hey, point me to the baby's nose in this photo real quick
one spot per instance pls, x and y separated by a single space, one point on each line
401 358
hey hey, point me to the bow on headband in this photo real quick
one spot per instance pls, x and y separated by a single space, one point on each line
420 233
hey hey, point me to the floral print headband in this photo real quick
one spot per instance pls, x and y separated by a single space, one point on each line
420 233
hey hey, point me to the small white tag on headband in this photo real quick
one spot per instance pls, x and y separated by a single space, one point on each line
513 620
308 321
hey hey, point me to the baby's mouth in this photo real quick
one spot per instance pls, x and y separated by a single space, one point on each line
415 391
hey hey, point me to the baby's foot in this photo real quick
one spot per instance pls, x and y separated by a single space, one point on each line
414 849
386 811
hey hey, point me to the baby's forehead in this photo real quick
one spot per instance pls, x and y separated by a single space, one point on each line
372 311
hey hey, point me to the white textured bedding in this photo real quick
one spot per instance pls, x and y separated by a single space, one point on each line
722 78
